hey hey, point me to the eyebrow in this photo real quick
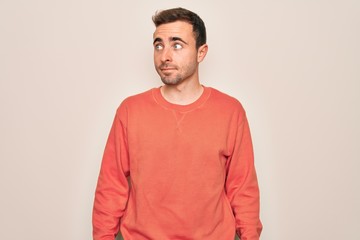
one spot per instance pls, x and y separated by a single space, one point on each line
157 40
172 39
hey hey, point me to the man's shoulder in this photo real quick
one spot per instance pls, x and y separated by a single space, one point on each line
136 101
142 97
225 99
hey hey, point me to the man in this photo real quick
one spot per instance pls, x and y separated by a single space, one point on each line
185 149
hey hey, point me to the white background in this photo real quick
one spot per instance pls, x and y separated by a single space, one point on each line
66 65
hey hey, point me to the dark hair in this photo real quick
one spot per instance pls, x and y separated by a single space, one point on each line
182 14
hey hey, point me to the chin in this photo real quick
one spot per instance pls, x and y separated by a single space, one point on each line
171 81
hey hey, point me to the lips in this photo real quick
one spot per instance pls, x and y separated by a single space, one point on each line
166 67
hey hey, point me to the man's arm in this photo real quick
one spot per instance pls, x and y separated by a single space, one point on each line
112 188
242 186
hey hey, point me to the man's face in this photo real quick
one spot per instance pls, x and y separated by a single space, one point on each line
175 53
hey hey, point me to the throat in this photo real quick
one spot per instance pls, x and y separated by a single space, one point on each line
181 96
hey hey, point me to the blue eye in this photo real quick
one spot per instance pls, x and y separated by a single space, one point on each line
158 47
178 46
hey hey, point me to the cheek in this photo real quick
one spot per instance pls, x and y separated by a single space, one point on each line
185 57
156 58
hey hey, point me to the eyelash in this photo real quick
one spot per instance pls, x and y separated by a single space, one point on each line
178 44
160 46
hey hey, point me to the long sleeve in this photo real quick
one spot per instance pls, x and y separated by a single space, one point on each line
242 186
112 189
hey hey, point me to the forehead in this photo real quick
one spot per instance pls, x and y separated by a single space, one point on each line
174 29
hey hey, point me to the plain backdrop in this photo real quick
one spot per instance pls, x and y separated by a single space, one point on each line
65 66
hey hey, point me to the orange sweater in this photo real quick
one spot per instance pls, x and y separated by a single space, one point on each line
190 168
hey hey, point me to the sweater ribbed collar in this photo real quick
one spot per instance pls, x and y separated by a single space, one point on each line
158 97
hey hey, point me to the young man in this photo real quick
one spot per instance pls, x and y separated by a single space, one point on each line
185 148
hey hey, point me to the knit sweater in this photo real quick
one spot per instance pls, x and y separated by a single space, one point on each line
178 172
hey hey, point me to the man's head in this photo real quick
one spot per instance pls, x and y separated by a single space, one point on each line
181 14
179 45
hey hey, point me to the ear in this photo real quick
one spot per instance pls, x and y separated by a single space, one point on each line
202 51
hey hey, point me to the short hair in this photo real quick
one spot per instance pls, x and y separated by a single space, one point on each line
182 14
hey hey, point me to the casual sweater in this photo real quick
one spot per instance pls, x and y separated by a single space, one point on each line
178 172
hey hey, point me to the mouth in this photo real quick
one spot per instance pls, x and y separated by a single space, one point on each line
167 68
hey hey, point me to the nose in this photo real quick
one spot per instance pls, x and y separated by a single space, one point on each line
166 55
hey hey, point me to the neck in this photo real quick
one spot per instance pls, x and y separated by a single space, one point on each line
182 94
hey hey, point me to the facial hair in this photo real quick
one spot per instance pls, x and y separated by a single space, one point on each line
179 77
169 80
